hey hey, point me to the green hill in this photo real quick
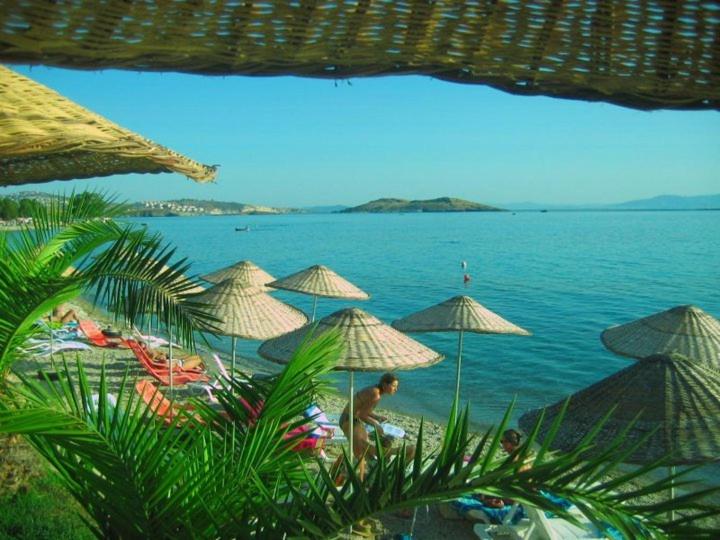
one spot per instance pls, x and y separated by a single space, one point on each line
443 204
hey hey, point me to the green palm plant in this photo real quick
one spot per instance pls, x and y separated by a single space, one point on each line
229 473
76 245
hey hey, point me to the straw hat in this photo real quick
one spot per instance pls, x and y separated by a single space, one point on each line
248 312
687 330
460 313
319 280
677 396
244 271
370 345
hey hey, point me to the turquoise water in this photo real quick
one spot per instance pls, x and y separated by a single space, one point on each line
565 276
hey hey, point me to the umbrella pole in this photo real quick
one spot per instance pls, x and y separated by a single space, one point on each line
352 421
352 417
671 471
456 403
314 307
170 358
232 364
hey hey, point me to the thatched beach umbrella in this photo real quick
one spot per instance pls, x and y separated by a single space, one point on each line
245 271
45 136
369 345
458 314
686 330
675 396
317 281
248 313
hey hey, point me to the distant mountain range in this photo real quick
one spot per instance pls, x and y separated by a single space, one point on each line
661 202
442 204
191 207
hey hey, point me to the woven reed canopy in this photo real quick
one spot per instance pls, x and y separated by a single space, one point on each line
249 313
637 53
460 313
370 345
687 330
319 280
678 397
245 271
45 137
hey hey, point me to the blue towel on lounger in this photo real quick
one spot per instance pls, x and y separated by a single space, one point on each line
494 515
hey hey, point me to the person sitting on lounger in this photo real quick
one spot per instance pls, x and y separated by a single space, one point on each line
190 361
364 404
510 442
63 314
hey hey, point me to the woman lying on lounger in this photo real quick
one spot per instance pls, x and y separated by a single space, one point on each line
190 361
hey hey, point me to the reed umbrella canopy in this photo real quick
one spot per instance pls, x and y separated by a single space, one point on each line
317 281
671 394
244 271
686 330
458 314
45 136
648 55
249 313
369 345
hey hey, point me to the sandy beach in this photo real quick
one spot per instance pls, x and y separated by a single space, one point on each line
429 523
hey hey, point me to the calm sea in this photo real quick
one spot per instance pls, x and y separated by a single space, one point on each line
565 276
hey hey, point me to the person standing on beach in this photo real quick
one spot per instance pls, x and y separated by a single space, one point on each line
364 404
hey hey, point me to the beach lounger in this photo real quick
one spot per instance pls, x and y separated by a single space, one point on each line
95 336
538 525
163 408
45 348
163 375
331 427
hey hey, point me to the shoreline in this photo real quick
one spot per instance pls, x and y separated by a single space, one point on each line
435 522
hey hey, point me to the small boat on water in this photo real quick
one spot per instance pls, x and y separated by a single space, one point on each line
246 228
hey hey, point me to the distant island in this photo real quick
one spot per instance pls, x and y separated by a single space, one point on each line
443 204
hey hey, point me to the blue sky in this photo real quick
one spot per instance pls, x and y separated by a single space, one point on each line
298 142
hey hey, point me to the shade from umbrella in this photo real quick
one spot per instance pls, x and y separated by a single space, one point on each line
459 314
244 271
370 345
686 330
317 281
249 313
45 136
677 396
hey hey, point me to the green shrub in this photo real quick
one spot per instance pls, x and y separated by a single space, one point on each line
44 511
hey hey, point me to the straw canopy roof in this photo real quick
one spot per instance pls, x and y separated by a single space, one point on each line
687 330
370 345
638 53
460 313
319 280
44 137
244 271
249 313
678 397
